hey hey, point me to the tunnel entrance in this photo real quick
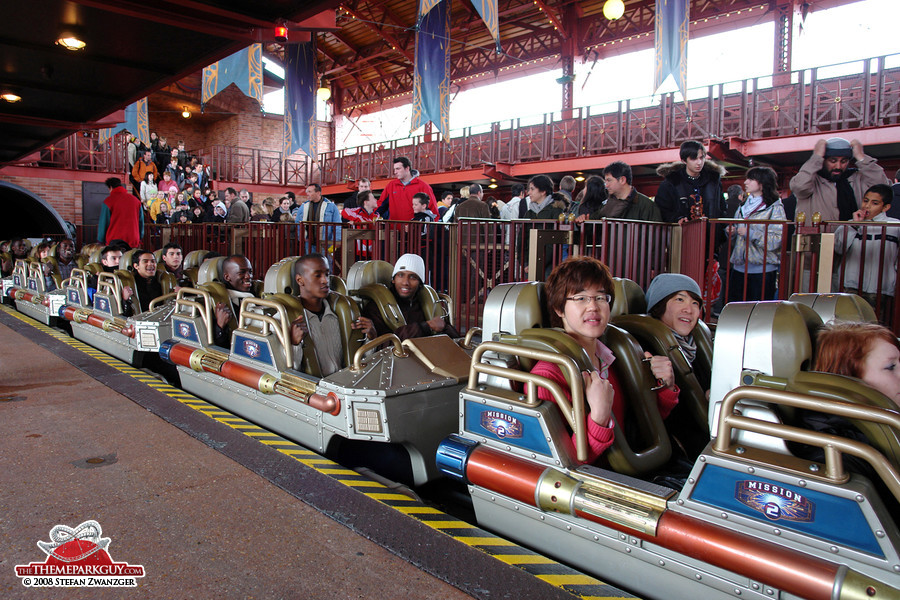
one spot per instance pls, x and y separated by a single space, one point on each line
27 215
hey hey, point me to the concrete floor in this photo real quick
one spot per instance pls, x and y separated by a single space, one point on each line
201 524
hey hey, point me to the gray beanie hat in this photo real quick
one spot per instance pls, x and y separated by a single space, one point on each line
838 146
665 284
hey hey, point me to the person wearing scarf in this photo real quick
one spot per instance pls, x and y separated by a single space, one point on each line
827 183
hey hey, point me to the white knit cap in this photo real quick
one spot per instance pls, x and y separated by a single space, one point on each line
412 263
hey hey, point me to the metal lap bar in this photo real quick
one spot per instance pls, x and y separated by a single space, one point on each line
574 413
832 445
77 279
161 299
108 283
280 323
399 352
203 308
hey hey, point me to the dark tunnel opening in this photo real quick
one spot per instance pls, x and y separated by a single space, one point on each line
27 215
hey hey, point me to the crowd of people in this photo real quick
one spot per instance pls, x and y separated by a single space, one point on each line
838 182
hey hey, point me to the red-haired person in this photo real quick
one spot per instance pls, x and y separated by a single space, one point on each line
579 296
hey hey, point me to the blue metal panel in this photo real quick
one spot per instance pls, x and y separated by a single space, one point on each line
838 520
101 304
514 429
184 329
253 349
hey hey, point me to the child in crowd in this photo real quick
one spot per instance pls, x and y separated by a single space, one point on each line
865 247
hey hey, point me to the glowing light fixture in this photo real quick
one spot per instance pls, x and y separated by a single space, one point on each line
324 92
10 97
281 34
186 113
493 186
579 178
613 9
70 39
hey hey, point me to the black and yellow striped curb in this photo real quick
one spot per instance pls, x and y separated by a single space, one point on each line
508 552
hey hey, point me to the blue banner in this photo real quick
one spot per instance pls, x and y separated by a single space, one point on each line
431 76
243 68
136 123
487 9
300 83
672 18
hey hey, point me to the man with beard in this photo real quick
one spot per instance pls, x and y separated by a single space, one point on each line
827 184
143 264
318 321
406 282
238 275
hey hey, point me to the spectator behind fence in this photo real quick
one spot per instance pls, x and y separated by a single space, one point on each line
756 251
474 207
637 207
517 205
828 185
691 187
895 206
541 204
878 243
594 201
396 199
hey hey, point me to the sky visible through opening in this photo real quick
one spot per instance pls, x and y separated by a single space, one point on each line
838 35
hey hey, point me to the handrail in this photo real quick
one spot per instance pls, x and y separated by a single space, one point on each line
280 323
399 352
113 286
76 277
574 413
204 308
832 445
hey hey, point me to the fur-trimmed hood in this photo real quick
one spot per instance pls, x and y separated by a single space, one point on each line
711 166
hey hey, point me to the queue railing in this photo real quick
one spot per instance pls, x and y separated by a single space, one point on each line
469 258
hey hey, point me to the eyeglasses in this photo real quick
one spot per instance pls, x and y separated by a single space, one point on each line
586 300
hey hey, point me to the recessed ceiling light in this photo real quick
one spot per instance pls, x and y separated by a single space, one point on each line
10 97
70 39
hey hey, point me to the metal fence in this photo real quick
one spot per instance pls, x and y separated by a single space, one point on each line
468 259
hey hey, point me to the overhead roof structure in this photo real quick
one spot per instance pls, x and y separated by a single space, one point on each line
133 48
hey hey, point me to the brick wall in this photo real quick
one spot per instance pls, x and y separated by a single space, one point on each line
64 195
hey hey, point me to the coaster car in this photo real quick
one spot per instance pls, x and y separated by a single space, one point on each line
34 300
749 522
16 280
401 398
98 320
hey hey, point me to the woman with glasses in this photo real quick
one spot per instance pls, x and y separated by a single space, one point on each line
579 295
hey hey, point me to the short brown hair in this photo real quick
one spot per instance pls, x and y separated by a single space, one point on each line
570 277
841 347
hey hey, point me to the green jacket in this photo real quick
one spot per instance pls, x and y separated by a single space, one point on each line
642 208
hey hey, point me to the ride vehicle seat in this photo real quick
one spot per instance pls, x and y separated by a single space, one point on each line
192 262
657 339
773 339
280 276
370 282
838 307
517 314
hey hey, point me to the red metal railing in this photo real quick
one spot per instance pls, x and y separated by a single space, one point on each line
469 258
814 101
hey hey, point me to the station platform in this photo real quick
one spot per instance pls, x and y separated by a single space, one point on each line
211 505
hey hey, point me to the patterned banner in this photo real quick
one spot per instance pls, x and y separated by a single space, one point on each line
672 18
243 69
486 8
136 123
431 78
300 83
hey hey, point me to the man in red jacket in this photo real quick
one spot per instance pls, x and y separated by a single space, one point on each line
396 199
121 216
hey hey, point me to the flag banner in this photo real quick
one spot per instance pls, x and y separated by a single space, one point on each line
243 68
672 18
300 83
431 76
136 123
487 9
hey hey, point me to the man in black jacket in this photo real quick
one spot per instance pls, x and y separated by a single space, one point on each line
692 187
143 264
